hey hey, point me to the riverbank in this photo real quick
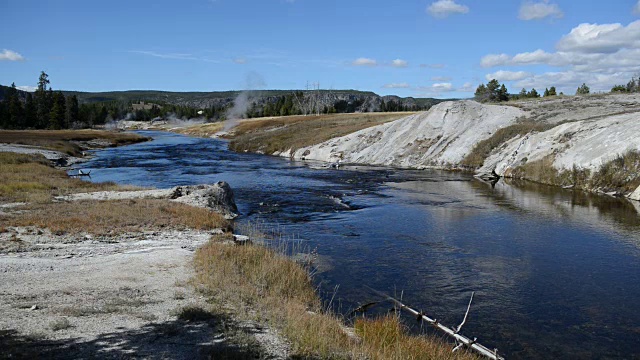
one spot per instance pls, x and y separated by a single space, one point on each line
581 142
100 269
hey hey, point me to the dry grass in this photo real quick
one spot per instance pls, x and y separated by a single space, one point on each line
621 174
294 132
31 178
115 217
262 283
202 130
386 338
483 149
70 142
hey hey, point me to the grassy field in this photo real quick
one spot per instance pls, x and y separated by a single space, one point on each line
294 132
262 283
70 142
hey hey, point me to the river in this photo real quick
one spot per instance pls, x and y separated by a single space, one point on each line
556 273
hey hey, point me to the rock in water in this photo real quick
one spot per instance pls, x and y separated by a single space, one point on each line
218 197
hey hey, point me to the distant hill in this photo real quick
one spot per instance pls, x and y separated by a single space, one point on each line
358 100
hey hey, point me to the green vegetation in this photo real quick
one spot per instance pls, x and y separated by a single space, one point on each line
583 89
632 86
294 132
492 92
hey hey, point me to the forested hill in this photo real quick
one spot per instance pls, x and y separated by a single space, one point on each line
341 100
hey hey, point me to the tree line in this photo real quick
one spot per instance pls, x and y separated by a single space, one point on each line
49 109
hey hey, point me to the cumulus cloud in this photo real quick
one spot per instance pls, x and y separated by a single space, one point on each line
397 86
399 63
600 54
444 8
605 38
636 9
467 87
539 10
502 75
441 78
364 62
9 55
443 87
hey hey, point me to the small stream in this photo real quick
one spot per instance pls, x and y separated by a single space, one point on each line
556 272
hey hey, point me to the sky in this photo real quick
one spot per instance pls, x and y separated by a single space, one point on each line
419 48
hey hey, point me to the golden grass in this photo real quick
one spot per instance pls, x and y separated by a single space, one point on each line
263 284
68 141
621 174
280 134
31 178
115 217
201 130
386 338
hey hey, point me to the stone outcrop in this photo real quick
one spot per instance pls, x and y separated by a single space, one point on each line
218 197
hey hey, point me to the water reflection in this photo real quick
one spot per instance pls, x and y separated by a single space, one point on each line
556 272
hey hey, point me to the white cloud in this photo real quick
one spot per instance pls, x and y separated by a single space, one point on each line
27 88
443 87
440 78
467 87
601 55
396 86
399 63
502 75
539 10
8 55
240 61
364 62
444 8
605 38
433 66
492 60
636 9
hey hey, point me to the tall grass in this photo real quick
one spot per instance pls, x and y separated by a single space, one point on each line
103 218
263 283
31 178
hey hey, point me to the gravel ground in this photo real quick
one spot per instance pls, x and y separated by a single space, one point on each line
81 298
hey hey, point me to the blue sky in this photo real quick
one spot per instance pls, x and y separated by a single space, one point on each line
428 48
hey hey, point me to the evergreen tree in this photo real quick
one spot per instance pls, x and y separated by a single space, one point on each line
42 101
30 112
523 93
57 114
546 92
583 89
72 113
481 93
552 91
16 111
533 94
503 94
493 87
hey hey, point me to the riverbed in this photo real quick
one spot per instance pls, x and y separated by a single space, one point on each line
556 272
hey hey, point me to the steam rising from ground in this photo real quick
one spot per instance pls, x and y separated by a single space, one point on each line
243 102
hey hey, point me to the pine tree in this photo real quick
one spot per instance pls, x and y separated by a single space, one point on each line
546 92
583 89
16 111
42 102
71 114
503 94
30 112
57 114
552 91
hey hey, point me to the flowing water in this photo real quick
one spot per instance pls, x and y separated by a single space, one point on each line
556 272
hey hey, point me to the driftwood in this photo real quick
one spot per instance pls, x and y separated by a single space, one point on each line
461 340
